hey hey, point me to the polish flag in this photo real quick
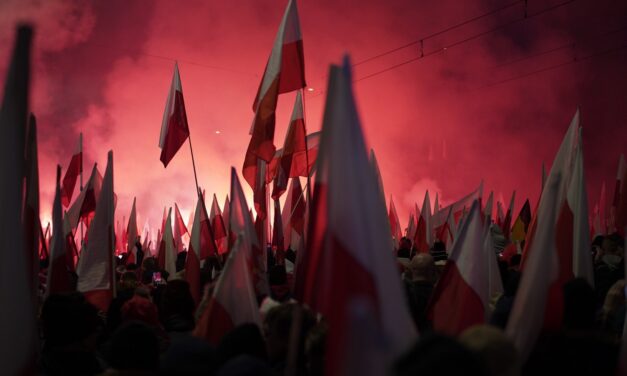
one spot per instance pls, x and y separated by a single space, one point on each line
179 229
174 128
375 167
395 224
500 215
58 277
461 297
507 222
422 240
96 266
219 229
568 256
30 218
208 245
488 209
293 216
132 232
85 204
436 205
226 215
348 229
446 232
192 262
285 72
278 238
459 207
71 252
167 252
233 301
73 171
294 157
18 331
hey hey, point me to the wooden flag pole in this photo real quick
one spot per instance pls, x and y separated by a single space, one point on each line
191 150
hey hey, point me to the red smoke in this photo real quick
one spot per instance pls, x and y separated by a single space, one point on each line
105 69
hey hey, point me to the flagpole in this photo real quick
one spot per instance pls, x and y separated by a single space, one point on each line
306 146
189 138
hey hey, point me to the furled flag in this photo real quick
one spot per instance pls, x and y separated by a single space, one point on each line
436 205
507 222
461 298
58 277
167 252
30 217
422 240
285 72
132 233
489 205
174 128
375 167
192 262
226 214
233 301
293 216
72 173
96 267
569 255
219 229
278 238
348 230
18 331
179 229
395 224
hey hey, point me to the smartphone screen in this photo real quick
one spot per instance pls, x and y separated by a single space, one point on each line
156 278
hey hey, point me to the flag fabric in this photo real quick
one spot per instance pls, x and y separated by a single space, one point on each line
600 220
293 216
294 156
174 128
487 210
192 262
233 301
500 215
436 205
375 167
278 238
411 226
495 282
395 225
72 173
461 297
459 207
85 204
568 256
96 266
285 72
422 240
58 278
30 217
17 335
348 229
226 214
179 229
620 177
167 251
521 225
218 226
132 233
529 309
507 222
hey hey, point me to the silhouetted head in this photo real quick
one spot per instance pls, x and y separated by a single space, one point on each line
134 347
422 268
69 319
579 304
245 339
498 353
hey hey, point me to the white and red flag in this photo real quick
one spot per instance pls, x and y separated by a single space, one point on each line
85 204
395 224
293 216
459 207
461 298
18 331
174 128
58 277
285 72
72 173
96 266
180 229
507 222
423 237
566 257
192 262
131 234
233 301
218 226
294 156
167 251
348 229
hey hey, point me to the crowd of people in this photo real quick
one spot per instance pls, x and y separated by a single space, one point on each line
149 325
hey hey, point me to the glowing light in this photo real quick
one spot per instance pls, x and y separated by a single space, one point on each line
310 89
217 132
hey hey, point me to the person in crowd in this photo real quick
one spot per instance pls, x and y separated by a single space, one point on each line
612 314
176 307
419 288
134 350
497 352
404 248
505 302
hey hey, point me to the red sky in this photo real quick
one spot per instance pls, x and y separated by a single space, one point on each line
104 68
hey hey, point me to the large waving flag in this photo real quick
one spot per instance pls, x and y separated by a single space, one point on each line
72 173
17 334
348 229
233 301
174 128
461 297
569 255
285 72
96 267
58 278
